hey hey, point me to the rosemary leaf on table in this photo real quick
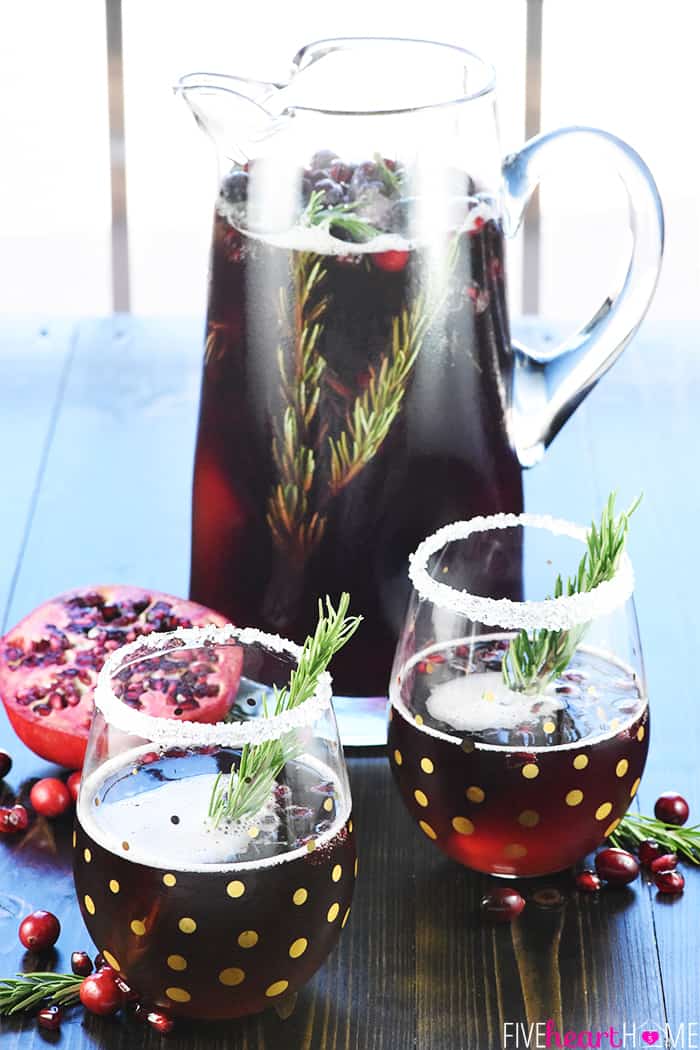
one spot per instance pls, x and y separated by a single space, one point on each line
635 828
27 990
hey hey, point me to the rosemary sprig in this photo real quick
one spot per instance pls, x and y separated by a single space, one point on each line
635 828
532 661
26 990
288 506
317 213
248 787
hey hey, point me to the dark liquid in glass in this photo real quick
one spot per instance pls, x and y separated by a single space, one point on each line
271 535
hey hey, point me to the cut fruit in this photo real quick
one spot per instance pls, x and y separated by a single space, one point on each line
49 664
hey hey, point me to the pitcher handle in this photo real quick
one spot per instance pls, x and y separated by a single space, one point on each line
549 385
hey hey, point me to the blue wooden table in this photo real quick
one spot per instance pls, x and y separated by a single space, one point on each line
97 422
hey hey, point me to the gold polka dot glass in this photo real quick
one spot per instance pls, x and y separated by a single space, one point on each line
516 777
204 917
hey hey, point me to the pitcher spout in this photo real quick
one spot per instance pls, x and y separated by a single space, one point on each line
236 113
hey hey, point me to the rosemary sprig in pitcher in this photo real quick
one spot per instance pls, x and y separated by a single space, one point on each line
534 660
247 788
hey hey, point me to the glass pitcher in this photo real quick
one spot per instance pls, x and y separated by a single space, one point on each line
360 384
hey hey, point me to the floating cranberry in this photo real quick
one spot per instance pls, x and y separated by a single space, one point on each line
617 866
672 808
39 931
100 994
669 881
5 764
391 261
502 904
73 784
81 964
161 1022
50 1018
666 862
588 882
50 797
649 850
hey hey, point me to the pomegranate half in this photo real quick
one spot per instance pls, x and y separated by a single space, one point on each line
50 660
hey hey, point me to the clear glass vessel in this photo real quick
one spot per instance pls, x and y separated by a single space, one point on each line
516 776
360 386
212 914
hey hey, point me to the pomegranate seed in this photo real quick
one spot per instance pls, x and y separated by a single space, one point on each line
588 881
666 862
672 808
502 904
50 1018
81 964
391 261
617 866
39 931
18 818
160 1022
99 962
669 881
649 850
50 797
99 993
73 784
5 764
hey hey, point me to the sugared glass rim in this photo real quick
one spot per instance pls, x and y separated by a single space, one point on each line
161 730
554 614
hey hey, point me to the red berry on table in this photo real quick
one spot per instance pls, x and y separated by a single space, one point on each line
649 850
588 881
672 808
5 764
666 862
39 931
50 797
391 261
81 964
669 881
50 1018
616 866
73 784
99 993
502 904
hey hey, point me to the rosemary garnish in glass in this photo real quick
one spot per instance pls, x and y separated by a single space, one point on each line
534 660
247 788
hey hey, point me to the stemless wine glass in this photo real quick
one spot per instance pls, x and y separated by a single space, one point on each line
516 778
208 915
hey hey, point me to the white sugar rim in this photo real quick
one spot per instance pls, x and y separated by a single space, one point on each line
554 614
160 730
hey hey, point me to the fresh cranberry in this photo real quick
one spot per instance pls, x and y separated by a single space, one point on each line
391 261
50 1018
502 904
588 881
617 866
649 850
666 862
669 881
39 931
161 1022
50 797
672 808
73 784
81 964
5 764
99 993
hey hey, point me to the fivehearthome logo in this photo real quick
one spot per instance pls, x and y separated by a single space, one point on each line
545 1035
